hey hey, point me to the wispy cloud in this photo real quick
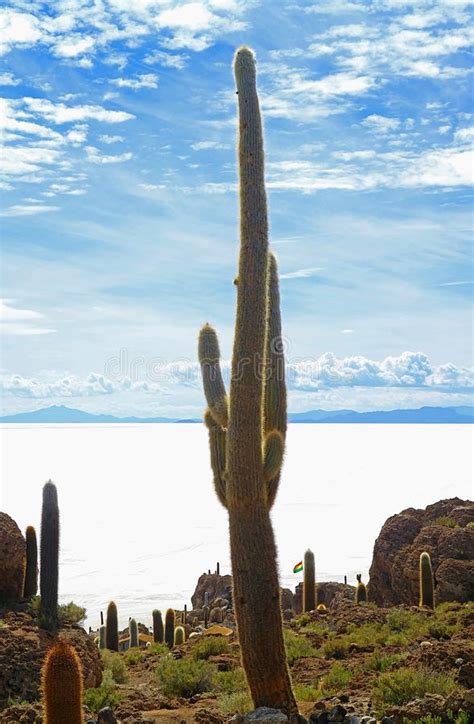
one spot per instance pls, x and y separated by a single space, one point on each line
146 80
20 322
27 210
302 273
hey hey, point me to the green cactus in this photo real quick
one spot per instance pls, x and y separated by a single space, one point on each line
361 591
102 638
30 587
179 636
158 629
426 581
111 627
185 614
49 555
62 686
309 582
247 431
169 628
206 615
133 633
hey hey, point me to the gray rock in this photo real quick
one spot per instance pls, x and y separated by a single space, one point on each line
106 716
264 713
337 714
318 717
351 719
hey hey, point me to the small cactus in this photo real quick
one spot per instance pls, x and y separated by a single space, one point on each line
111 628
62 686
179 636
361 591
169 628
49 553
158 629
102 638
133 633
30 587
309 584
426 581
206 615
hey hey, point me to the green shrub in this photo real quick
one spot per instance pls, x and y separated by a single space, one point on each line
67 612
441 630
303 620
104 695
380 662
156 648
297 647
307 693
210 646
336 679
133 656
395 688
335 648
230 682
446 522
185 677
115 663
238 703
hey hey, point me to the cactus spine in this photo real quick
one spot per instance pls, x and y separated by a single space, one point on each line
426 581
179 636
246 432
158 629
309 582
111 627
133 633
169 628
30 587
102 638
49 554
62 686
361 591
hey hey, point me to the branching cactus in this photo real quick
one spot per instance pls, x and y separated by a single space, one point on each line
309 582
247 428
426 581
179 636
169 628
49 553
30 587
158 628
111 627
62 686
133 633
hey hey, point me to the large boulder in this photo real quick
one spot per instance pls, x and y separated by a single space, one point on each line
12 560
215 585
445 531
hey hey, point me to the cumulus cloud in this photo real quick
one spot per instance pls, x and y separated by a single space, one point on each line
145 80
168 60
59 113
381 124
95 156
9 79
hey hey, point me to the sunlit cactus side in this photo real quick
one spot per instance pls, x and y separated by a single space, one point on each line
361 591
169 628
133 633
253 420
426 581
179 636
158 628
309 582
111 627
102 638
30 587
49 557
62 686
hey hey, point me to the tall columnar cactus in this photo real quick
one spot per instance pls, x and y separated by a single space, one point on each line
247 429
185 614
206 615
102 638
361 591
30 587
426 581
179 636
49 556
158 629
133 633
62 686
169 628
309 582
111 627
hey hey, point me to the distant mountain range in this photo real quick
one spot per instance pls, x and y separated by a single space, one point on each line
57 414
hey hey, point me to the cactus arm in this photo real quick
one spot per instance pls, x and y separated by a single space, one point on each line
214 388
217 447
256 593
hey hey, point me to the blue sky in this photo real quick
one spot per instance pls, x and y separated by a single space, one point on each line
119 208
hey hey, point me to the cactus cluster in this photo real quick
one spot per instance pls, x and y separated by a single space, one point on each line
247 429
49 556
62 686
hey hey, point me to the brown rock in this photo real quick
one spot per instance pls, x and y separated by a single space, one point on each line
12 560
394 569
215 585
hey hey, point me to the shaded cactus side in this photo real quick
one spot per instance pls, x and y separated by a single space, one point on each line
158 628
361 591
169 628
309 582
206 616
426 581
62 686
111 627
49 556
30 587
102 638
133 633
179 636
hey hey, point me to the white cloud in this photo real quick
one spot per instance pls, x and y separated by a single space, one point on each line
146 80
95 156
168 60
59 113
9 79
302 273
20 322
381 124
24 210
111 139
72 46
207 145
17 28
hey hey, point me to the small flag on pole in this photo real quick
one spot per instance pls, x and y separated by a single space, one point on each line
298 568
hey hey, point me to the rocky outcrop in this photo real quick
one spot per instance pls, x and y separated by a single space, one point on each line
215 586
22 650
330 593
12 560
446 531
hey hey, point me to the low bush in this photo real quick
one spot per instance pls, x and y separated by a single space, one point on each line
133 656
297 647
307 693
105 695
185 677
238 703
115 663
230 682
395 688
210 646
336 679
